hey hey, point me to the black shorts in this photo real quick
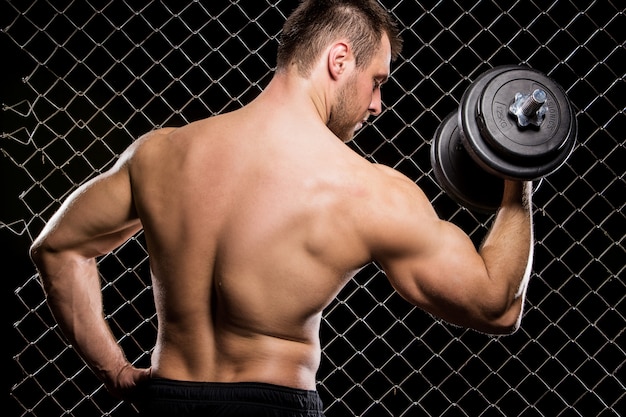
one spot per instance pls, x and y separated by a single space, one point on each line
165 397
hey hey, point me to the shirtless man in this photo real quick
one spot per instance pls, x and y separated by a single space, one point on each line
255 220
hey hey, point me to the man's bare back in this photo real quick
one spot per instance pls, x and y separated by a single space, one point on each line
256 226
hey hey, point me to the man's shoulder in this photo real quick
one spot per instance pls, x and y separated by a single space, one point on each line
388 175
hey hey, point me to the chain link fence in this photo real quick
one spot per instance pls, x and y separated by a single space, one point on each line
91 76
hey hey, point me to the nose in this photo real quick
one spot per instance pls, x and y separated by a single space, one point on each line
376 104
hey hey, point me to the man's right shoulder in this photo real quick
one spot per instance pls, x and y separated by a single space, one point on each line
154 134
149 146
153 138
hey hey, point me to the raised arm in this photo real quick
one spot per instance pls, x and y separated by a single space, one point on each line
95 219
434 264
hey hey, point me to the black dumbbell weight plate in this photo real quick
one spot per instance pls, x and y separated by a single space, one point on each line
459 175
493 137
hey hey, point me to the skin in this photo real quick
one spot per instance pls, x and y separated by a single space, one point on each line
255 220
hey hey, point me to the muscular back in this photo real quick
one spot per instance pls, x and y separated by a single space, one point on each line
250 234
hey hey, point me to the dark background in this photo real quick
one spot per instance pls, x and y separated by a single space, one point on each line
83 79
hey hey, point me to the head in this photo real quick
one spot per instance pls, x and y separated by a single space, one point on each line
317 23
359 29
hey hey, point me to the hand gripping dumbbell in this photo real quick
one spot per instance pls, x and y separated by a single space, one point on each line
513 122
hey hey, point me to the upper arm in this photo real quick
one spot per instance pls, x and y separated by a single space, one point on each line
95 218
430 262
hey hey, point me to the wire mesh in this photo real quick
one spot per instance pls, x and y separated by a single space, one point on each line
96 74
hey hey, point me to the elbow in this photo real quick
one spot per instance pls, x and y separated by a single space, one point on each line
35 252
39 254
41 251
502 313
503 328
47 260
505 323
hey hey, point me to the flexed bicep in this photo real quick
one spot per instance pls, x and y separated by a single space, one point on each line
434 265
444 275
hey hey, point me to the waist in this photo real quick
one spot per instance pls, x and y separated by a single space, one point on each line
159 395
263 359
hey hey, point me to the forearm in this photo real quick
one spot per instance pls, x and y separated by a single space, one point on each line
73 293
507 250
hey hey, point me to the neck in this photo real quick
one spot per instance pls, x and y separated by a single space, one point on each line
301 96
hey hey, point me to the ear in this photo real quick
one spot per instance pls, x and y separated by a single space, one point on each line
339 56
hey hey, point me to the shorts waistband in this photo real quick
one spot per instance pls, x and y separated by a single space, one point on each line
266 394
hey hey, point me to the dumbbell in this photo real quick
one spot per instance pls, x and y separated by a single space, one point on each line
513 122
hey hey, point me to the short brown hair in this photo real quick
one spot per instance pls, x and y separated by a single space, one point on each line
316 23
